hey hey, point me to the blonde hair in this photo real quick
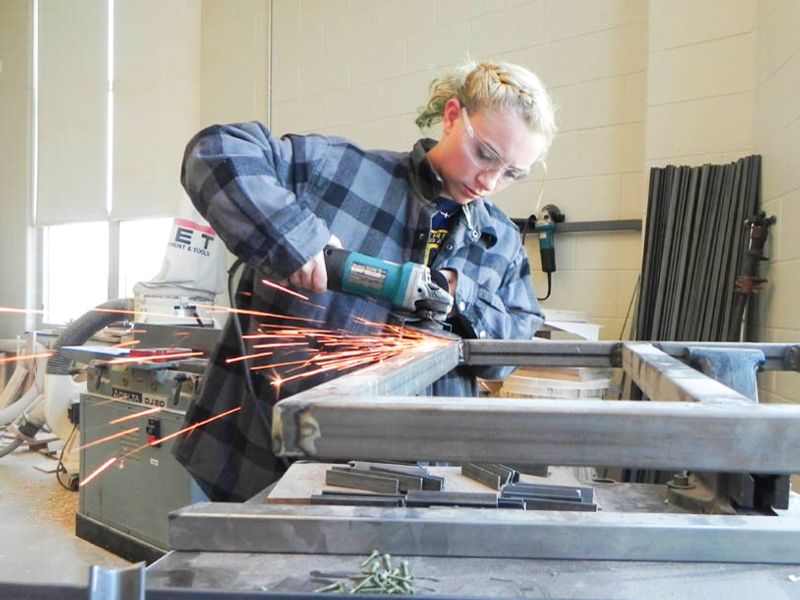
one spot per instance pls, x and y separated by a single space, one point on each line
493 86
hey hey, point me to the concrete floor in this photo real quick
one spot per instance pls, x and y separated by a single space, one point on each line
37 525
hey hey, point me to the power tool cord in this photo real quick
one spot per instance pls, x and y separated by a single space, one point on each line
549 289
530 225
251 391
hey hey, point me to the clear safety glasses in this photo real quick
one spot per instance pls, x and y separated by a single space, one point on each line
487 158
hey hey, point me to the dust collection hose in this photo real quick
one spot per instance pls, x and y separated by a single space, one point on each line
82 328
11 412
76 334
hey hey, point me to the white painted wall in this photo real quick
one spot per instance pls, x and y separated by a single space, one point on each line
361 68
15 157
777 139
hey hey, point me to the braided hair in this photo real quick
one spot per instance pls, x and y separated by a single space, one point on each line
492 86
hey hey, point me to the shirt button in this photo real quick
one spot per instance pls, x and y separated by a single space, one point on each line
449 245
421 235
474 234
462 305
482 334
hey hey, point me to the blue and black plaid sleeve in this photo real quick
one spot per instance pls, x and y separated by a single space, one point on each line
247 184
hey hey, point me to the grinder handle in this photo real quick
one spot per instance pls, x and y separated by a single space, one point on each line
335 259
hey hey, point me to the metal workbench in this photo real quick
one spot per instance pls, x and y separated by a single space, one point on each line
653 549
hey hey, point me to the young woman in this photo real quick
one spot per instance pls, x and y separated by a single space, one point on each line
278 202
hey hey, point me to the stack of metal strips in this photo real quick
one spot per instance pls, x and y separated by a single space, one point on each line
386 484
529 496
695 245
536 496
393 485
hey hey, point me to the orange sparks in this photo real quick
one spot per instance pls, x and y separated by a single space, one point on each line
255 313
346 365
281 345
112 460
190 428
155 358
98 470
108 438
25 357
149 411
126 344
283 364
25 311
285 290
247 357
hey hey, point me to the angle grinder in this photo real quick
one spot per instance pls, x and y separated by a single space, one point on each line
411 288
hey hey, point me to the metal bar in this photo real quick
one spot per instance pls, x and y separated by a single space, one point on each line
506 475
471 532
407 482
393 467
779 356
586 494
666 435
662 377
357 500
506 502
432 483
362 481
481 475
540 353
554 504
474 499
551 492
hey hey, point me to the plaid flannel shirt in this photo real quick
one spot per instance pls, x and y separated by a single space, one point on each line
275 203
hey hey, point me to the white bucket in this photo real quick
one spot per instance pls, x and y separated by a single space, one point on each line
520 386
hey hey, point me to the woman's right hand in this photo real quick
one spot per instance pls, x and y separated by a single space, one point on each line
313 276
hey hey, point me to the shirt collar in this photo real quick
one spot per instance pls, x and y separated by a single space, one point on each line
428 185
424 178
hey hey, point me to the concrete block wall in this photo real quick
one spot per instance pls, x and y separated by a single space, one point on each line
777 139
700 81
361 68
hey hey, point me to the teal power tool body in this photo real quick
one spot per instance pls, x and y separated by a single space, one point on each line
410 288
545 229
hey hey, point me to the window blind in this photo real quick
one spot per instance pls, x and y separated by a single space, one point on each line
72 112
157 50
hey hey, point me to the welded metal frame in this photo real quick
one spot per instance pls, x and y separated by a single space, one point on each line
371 414
693 422
374 414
